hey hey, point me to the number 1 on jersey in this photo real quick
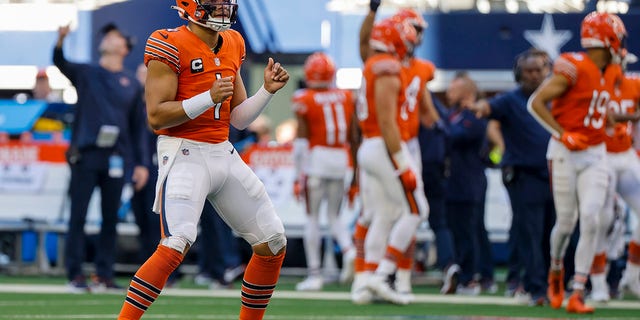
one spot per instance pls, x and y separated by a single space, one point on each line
217 106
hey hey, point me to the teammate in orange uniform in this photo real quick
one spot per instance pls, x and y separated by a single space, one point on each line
580 89
391 187
194 92
417 107
324 117
625 181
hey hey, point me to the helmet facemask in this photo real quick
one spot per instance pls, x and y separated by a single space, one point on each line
617 54
217 15
220 15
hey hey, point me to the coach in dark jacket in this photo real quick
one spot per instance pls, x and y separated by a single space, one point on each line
525 174
106 149
466 183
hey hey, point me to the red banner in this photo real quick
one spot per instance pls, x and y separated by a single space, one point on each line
16 152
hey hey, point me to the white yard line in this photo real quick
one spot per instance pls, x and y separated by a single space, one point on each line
322 295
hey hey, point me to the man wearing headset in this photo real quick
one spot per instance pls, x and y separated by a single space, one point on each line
525 173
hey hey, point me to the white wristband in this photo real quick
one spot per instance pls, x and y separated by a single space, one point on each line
401 162
197 104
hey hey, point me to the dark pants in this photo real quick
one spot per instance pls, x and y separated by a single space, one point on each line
148 221
218 247
462 221
433 177
484 262
533 218
90 172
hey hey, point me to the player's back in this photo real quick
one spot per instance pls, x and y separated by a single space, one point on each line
624 101
418 73
197 67
328 113
582 108
377 66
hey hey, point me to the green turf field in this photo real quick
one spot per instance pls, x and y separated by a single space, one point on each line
18 301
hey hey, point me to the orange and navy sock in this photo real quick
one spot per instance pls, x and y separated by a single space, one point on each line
259 281
406 261
599 264
148 282
634 253
359 235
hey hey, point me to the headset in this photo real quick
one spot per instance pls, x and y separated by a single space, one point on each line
523 56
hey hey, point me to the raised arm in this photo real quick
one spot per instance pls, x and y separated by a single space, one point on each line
365 29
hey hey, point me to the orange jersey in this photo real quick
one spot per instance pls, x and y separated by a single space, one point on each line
418 73
197 67
327 113
625 101
376 66
583 107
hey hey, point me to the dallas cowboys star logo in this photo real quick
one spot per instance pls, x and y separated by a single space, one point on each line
548 38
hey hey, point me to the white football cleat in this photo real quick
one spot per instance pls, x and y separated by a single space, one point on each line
632 285
348 258
360 294
599 288
379 284
311 283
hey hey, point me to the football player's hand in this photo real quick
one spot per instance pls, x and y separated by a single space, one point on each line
574 141
409 181
620 132
221 89
275 76
299 188
351 194
374 4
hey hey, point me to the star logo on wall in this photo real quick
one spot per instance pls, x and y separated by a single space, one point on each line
548 38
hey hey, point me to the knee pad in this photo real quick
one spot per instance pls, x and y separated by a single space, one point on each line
177 243
277 242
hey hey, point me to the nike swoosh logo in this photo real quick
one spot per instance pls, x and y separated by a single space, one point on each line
232 151
164 35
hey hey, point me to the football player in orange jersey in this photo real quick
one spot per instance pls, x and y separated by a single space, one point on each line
417 107
194 91
579 92
625 181
391 187
324 115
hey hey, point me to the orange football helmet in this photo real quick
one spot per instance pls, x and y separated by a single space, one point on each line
413 17
604 30
393 36
319 70
217 15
